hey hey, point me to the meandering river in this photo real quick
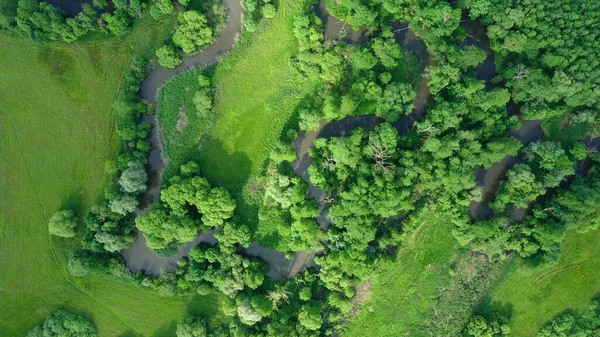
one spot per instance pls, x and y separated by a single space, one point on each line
139 256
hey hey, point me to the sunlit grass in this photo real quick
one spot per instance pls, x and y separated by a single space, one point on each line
532 296
404 290
56 132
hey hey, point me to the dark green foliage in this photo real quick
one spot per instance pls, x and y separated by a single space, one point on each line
64 324
547 165
133 179
192 327
118 23
109 230
188 204
203 102
396 101
44 22
84 263
159 8
479 326
550 52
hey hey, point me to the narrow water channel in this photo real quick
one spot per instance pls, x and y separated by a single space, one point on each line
139 256
530 131
410 43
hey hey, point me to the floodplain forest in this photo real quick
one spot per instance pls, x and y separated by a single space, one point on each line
299 168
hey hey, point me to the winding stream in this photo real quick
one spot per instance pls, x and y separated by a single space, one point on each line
530 131
140 257
410 43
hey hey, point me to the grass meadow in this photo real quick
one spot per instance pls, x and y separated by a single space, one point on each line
56 132
532 296
403 291
257 92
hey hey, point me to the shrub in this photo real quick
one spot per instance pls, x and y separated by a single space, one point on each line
167 57
64 324
269 11
63 224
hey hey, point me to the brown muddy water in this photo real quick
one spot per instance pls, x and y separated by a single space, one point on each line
333 27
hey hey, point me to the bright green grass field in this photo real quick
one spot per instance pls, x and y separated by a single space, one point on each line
403 290
534 296
257 92
56 132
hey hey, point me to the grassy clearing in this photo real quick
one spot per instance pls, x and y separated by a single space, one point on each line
257 92
56 132
404 289
532 296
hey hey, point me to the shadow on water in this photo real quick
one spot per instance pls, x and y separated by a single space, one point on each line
155 166
344 127
489 180
530 131
166 330
333 27
477 36
140 257
281 267
72 7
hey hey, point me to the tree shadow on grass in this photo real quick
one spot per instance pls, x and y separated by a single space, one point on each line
131 333
166 330
222 168
75 202
231 171
487 307
204 306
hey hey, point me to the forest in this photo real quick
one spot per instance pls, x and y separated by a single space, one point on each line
488 130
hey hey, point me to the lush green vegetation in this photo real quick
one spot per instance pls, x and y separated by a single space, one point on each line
424 261
63 323
532 295
233 142
57 132
375 201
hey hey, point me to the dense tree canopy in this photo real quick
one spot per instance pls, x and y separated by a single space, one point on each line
188 205
193 31
167 57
